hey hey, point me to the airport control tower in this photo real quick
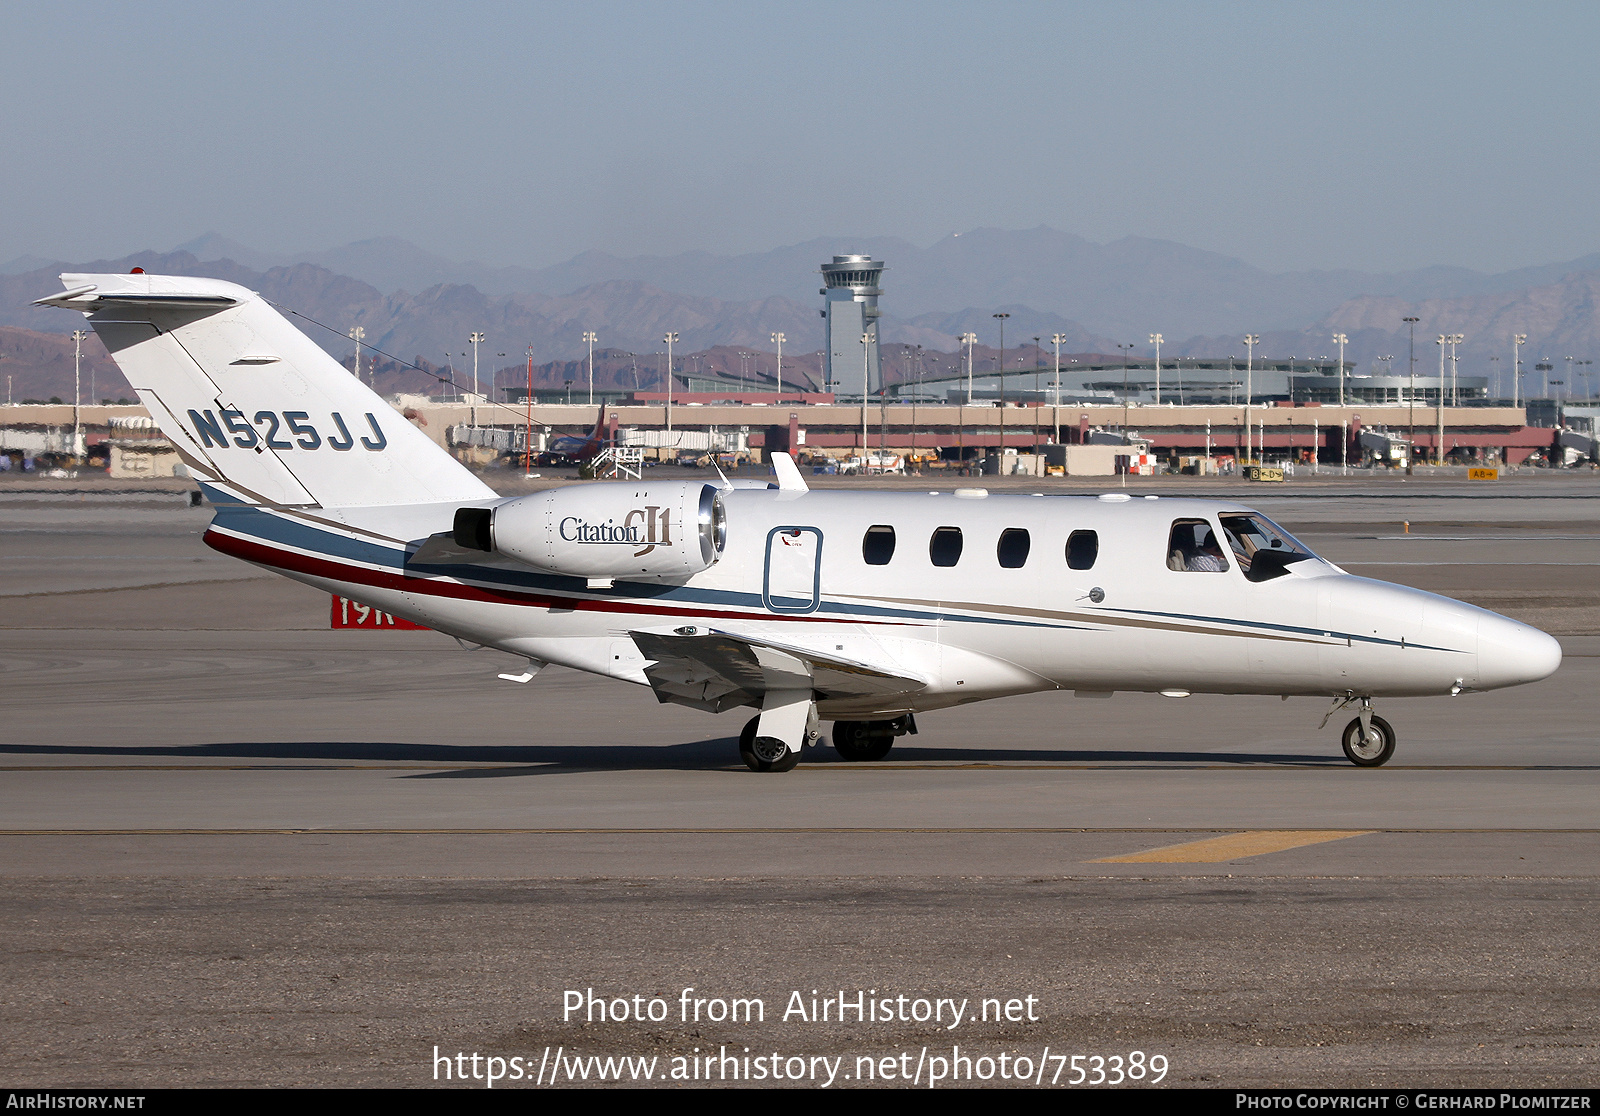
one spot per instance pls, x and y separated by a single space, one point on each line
851 292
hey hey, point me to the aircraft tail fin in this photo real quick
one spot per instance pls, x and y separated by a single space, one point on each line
259 413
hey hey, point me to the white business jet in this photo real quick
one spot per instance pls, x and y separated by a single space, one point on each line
861 608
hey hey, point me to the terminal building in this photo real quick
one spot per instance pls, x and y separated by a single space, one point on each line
1215 381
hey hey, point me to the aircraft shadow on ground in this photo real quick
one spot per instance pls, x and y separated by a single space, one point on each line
698 755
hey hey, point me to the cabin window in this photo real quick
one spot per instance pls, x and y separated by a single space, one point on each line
1083 547
1192 547
944 549
877 545
1012 549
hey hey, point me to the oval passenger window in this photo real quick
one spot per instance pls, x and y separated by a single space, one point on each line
944 549
877 545
1083 547
1013 548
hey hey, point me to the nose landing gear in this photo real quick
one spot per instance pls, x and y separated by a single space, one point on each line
1369 740
1370 744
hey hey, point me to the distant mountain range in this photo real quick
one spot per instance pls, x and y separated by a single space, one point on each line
1125 289
630 315
1050 282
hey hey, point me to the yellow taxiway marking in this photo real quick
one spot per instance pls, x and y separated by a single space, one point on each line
1234 846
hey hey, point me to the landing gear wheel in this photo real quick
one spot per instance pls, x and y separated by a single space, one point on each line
862 741
764 753
1375 750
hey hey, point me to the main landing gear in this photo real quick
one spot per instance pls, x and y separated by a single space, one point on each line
865 741
854 740
765 753
1368 741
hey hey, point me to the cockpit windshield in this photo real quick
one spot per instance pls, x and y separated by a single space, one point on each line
1262 548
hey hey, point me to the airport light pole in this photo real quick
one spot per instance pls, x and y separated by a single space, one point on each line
1342 340
1388 368
969 340
476 339
78 338
916 392
1438 449
1126 349
1055 407
1038 362
1156 339
1251 340
778 339
1517 341
590 338
1455 396
910 378
671 339
527 432
1001 318
1411 430
866 375
357 334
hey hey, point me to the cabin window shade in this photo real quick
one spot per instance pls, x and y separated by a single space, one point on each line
1012 549
877 545
944 548
1083 547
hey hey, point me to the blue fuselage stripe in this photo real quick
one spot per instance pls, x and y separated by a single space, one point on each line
285 531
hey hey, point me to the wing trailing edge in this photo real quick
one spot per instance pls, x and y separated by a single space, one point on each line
716 670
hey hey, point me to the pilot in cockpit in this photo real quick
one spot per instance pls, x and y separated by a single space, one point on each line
1193 548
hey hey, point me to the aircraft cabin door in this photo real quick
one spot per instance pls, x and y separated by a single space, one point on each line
792 580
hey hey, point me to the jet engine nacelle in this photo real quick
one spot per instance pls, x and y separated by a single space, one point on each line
608 530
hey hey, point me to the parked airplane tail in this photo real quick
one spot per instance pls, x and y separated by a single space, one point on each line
581 447
259 413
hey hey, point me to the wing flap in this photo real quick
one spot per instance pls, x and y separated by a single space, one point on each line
716 670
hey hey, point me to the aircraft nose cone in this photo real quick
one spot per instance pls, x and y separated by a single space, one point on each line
1510 653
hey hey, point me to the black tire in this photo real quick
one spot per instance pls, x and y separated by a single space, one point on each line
765 753
862 741
1372 752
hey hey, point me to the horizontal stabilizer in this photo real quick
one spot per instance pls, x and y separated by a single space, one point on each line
443 550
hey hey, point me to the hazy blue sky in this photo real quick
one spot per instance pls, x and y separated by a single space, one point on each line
1364 135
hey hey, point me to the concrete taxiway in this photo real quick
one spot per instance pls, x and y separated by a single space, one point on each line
240 848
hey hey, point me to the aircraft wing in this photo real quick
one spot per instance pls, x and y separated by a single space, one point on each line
716 670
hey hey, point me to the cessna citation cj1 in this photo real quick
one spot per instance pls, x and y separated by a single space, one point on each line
861 608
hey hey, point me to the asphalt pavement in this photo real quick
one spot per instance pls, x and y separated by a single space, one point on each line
239 848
